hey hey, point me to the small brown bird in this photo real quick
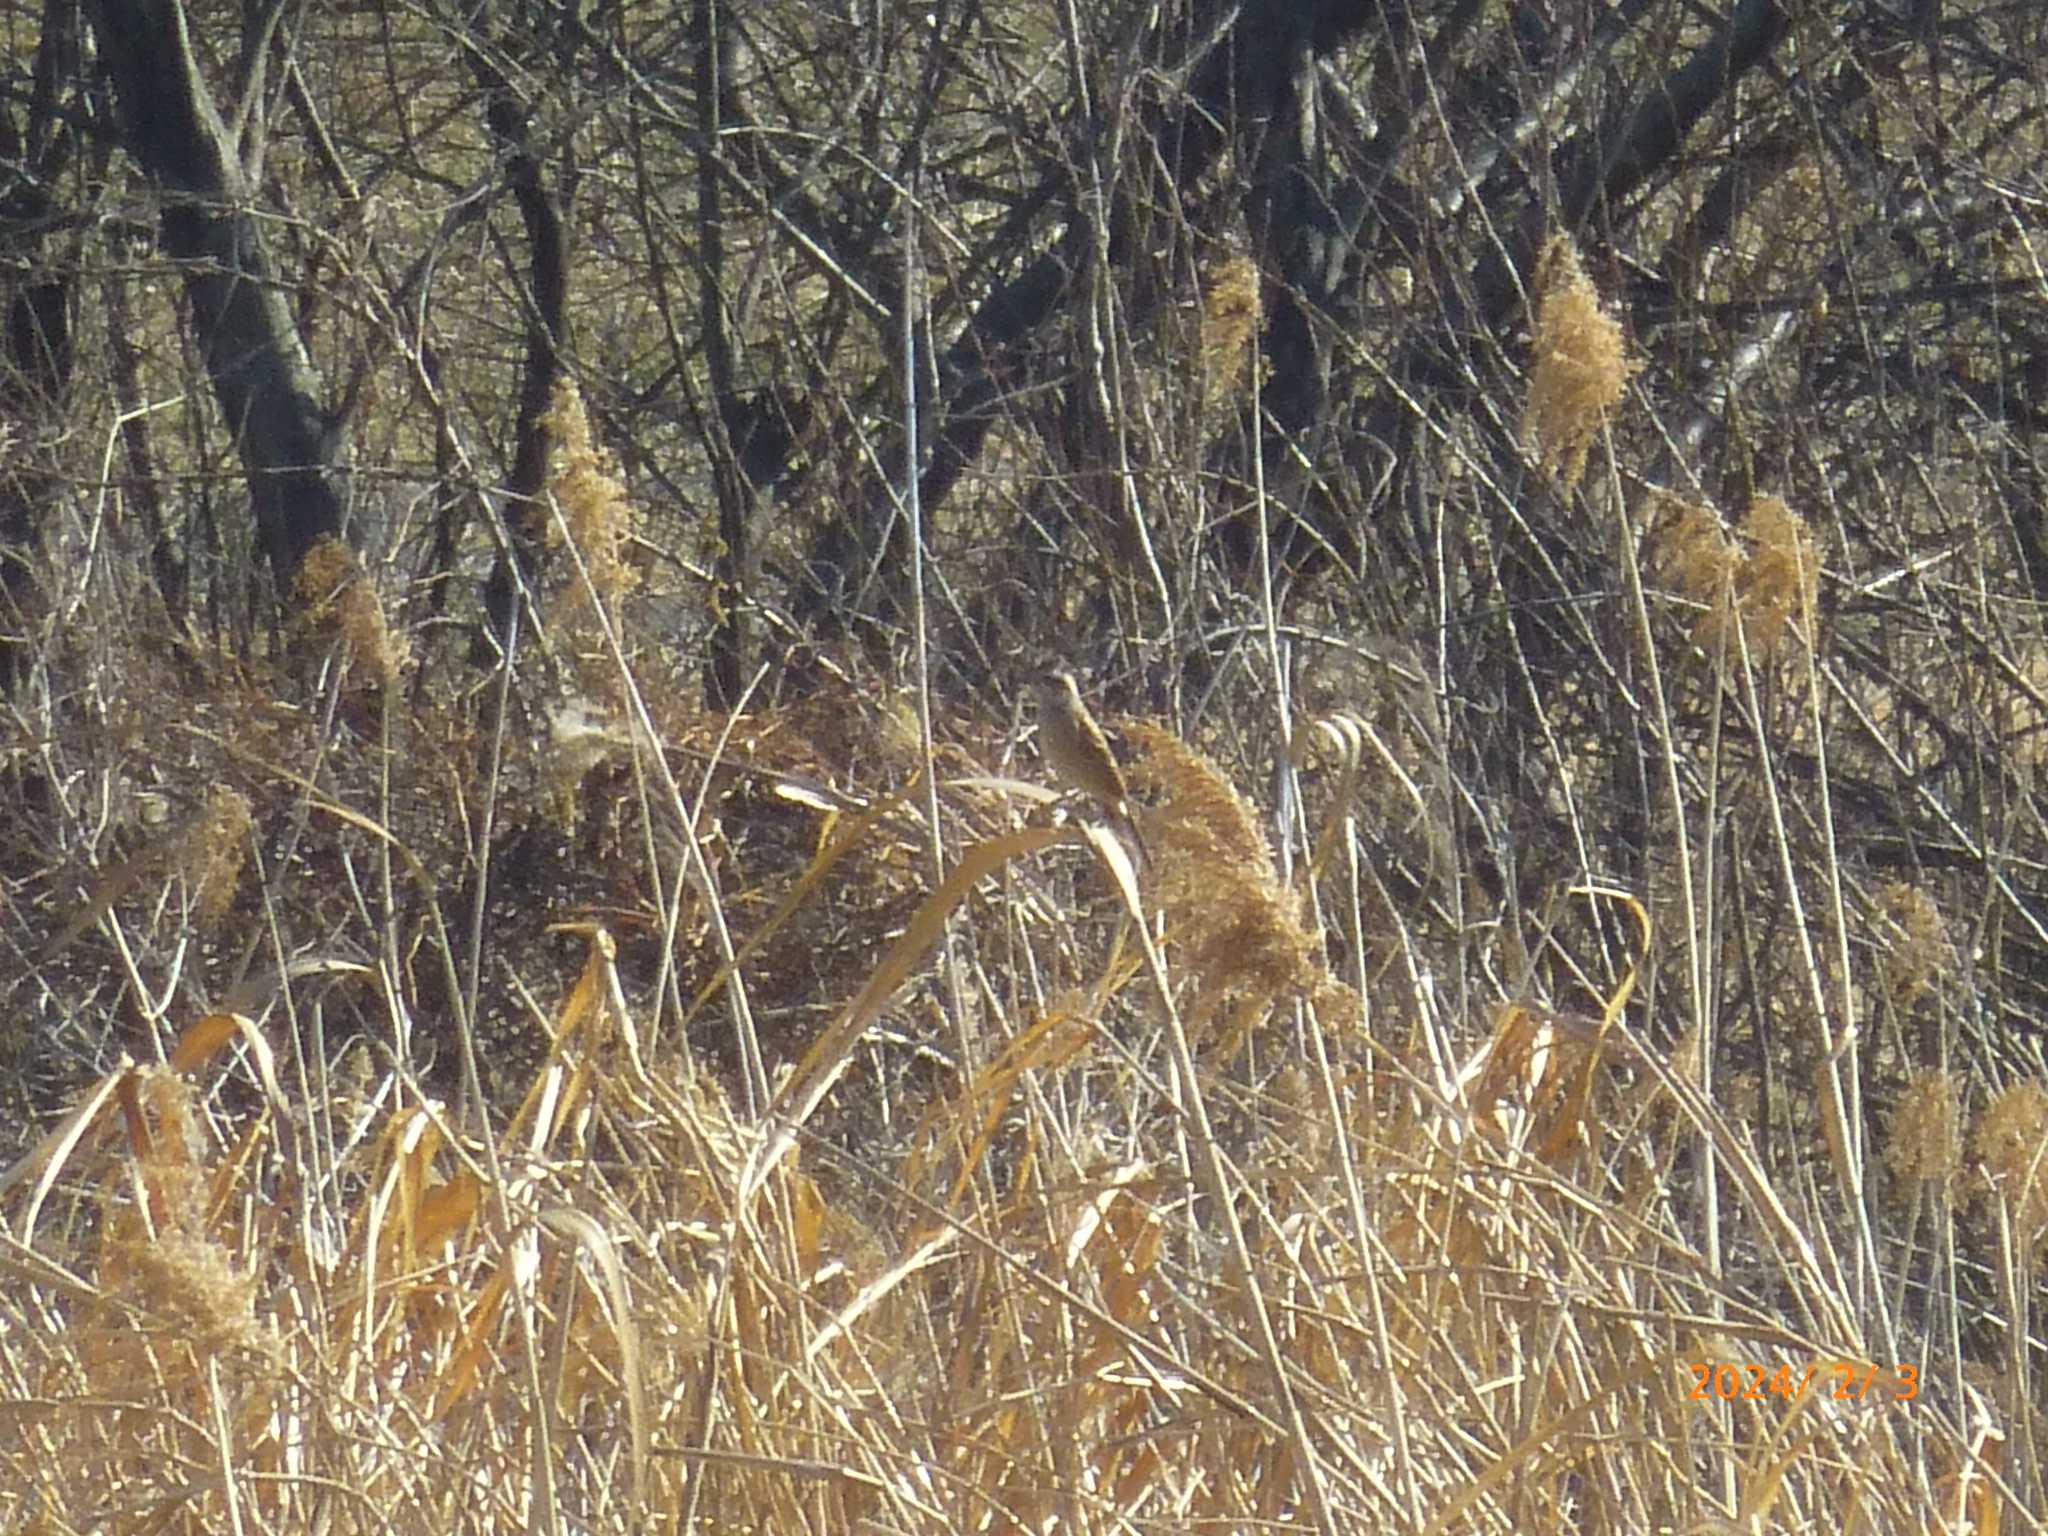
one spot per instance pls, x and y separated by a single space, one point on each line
1073 747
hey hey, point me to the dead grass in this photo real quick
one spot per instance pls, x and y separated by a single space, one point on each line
795 1188
246 1297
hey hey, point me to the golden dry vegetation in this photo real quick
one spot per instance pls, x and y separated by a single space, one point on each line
995 1203
1569 590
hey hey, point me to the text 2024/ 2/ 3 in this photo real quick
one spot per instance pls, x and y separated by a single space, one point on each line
1857 1381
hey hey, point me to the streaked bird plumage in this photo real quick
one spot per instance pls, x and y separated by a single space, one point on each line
1076 751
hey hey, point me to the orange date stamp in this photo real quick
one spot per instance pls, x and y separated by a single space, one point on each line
1846 1381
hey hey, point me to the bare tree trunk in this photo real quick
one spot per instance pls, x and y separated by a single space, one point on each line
261 374
35 373
546 337
37 356
716 101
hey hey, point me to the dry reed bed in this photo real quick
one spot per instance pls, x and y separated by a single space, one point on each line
1185 1245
